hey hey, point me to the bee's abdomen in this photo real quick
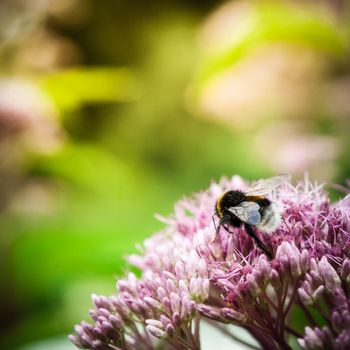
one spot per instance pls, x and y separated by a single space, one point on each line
263 202
270 218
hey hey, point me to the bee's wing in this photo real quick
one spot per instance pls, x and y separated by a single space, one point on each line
263 187
248 212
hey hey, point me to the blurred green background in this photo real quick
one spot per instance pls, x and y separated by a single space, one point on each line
112 110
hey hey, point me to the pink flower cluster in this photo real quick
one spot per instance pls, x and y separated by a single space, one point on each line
188 277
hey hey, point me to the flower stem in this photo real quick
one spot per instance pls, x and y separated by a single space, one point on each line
197 330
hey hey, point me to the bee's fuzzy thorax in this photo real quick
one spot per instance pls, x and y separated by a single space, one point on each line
229 199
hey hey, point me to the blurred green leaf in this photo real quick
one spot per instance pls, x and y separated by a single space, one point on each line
71 88
57 343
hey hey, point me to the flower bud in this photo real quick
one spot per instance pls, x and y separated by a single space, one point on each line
318 293
79 330
295 267
155 331
167 304
205 289
191 307
264 267
304 261
155 323
170 329
312 340
152 302
176 319
305 298
233 315
183 286
161 292
175 302
108 328
166 263
104 312
202 268
185 307
86 340
180 270
337 322
170 285
252 285
165 320
76 341
275 280
100 301
329 275
116 321
211 312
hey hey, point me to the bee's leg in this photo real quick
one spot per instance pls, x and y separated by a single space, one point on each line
227 228
217 230
214 222
222 222
258 242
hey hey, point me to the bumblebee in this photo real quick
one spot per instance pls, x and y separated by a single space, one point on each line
251 209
